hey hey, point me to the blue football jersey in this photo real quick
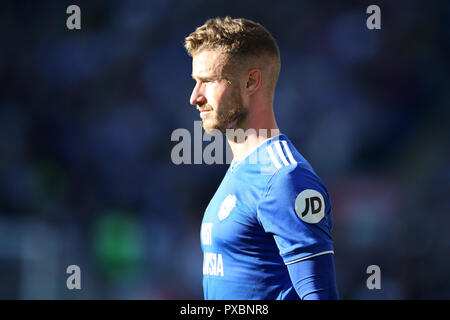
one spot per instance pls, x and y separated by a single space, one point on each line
270 210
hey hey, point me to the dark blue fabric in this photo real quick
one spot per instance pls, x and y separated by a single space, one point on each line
314 278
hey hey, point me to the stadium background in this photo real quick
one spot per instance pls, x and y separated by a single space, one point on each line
86 118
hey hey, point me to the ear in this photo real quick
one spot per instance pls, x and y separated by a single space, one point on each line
253 81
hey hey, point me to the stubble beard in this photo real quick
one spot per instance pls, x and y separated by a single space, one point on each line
228 117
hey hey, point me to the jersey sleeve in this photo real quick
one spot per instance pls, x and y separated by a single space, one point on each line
314 278
295 208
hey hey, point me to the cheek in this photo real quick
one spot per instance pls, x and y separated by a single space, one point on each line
215 96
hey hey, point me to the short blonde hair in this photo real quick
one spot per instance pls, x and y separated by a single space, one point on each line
239 38
233 36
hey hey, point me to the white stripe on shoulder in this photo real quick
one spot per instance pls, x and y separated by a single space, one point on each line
288 152
311 256
280 153
273 157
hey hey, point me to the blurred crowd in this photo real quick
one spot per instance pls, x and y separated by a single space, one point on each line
86 117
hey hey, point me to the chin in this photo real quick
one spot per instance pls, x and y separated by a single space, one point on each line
208 127
212 129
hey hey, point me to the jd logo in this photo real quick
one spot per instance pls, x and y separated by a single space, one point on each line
309 206
314 209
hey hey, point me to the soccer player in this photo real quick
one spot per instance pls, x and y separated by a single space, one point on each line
266 232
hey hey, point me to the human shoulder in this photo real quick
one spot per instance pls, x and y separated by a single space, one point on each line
296 178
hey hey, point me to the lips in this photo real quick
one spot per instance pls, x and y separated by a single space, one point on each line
204 113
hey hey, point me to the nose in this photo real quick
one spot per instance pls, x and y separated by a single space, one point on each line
197 96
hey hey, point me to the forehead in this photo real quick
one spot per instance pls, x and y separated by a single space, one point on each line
208 63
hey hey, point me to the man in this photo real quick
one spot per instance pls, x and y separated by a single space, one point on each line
266 232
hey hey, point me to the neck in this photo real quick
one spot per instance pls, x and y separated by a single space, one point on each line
248 136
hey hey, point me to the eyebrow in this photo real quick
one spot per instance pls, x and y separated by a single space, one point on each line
204 78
